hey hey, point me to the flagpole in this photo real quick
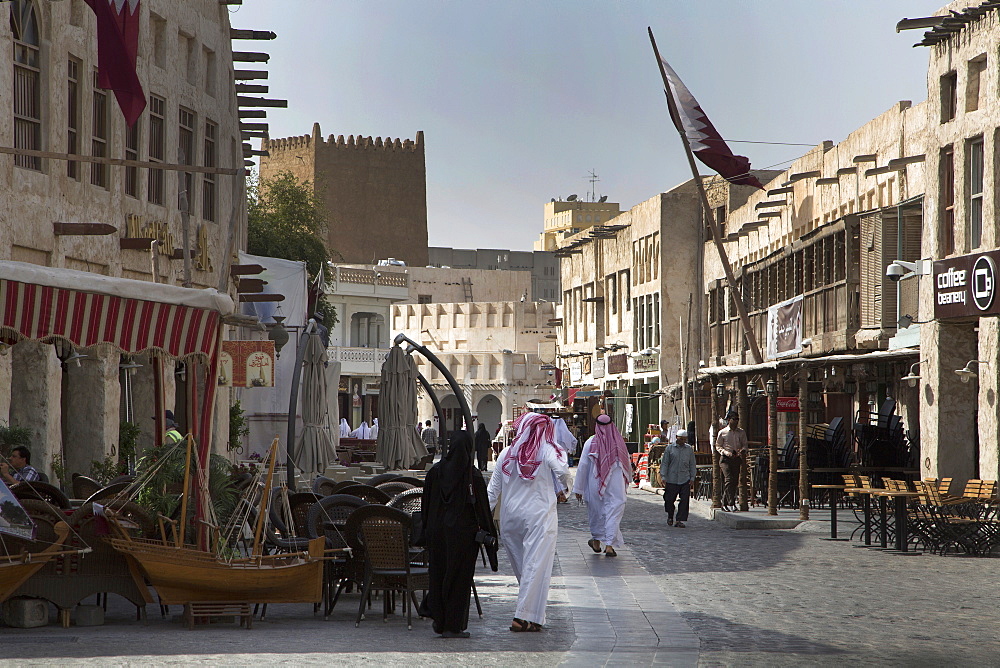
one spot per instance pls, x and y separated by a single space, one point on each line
712 224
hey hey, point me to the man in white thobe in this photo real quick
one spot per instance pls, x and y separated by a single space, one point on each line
522 483
601 480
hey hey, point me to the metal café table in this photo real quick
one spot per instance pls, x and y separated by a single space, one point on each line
866 504
902 535
835 493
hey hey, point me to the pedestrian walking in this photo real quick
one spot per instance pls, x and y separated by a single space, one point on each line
732 446
452 490
601 480
430 437
522 485
483 439
677 471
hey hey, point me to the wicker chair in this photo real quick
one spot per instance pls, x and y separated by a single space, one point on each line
285 538
323 485
408 501
383 477
109 492
394 487
366 492
83 486
416 482
68 579
328 517
42 491
385 534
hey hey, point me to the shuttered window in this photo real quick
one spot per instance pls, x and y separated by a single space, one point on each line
27 83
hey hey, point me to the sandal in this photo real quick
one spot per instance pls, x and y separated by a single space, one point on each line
610 552
595 545
521 626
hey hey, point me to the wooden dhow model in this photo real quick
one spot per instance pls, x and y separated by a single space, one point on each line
184 574
15 569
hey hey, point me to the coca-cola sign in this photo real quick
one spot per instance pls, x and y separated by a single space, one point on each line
788 404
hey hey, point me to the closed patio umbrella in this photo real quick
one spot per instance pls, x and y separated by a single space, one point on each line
398 445
314 449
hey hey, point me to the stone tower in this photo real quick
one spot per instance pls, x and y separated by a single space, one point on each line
375 191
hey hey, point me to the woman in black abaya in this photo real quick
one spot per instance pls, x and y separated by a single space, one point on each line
452 493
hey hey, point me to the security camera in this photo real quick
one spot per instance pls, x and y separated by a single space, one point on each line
895 271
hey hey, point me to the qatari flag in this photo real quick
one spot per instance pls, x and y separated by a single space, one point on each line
705 140
117 46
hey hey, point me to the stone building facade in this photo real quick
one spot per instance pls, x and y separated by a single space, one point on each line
374 191
48 70
626 284
495 350
543 265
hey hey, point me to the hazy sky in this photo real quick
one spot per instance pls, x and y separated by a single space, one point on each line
520 100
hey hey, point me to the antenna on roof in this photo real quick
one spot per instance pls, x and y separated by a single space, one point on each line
593 183
571 198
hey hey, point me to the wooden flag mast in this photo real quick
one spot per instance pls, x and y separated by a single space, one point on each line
712 224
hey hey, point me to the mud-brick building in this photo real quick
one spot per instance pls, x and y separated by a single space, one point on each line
374 191
54 107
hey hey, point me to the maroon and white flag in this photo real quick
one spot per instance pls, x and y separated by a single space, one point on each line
117 47
705 140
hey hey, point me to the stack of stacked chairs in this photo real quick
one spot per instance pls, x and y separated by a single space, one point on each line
968 523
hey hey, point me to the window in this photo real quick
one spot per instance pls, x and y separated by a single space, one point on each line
949 96
423 299
154 190
720 220
974 81
974 156
210 72
159 30
185 156
946 229
99 137
27 83
73 115
208 205
132 153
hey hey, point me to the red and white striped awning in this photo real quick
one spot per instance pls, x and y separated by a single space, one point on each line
45 304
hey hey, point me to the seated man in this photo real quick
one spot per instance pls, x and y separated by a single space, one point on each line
19 469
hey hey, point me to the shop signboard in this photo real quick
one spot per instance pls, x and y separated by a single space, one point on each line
618 363
247 364
575 372
597 369
965 286
586 364
646 363
788 404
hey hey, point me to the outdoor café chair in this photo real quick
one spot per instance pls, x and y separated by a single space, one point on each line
408 501
83 486
383 477
366 492
328 518
42 491
394 487
385 534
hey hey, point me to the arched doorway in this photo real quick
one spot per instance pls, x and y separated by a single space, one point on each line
452 415
490 411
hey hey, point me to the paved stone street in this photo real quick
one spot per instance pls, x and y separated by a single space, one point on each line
705 595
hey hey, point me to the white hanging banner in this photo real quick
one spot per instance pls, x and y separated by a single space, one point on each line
784 328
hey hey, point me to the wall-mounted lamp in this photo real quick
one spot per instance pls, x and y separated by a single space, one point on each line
914 375
129 365
66 353
806 343
966 374
751 389
720 389
771 387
